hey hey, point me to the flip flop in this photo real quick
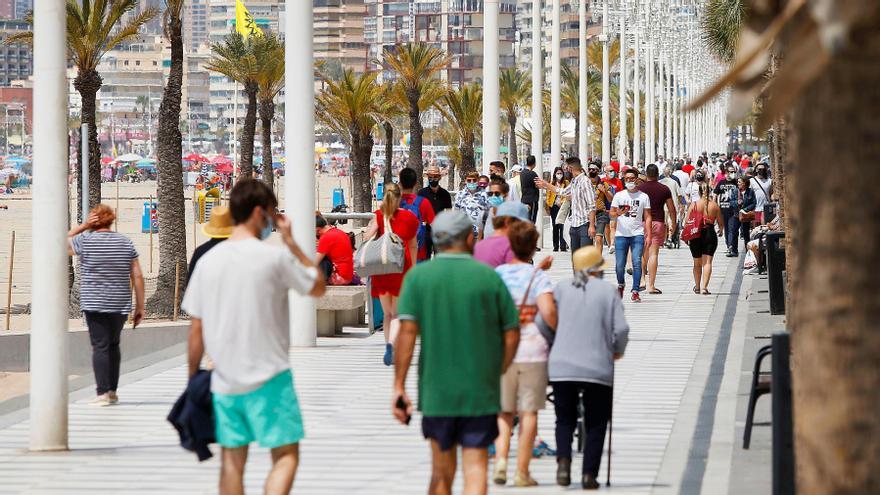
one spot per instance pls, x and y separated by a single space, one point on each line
706 292
655 291
696 290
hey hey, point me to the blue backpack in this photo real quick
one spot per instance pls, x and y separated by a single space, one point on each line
414 209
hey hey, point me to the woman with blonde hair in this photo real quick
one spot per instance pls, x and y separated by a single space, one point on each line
707 212
108 268
387 287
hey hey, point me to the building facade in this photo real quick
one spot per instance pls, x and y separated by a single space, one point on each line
339 33
16 61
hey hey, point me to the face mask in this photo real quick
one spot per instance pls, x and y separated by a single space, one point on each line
730 176
594 174
472 186
611 174
699 178
495 200
762 174
483 185
433 182
559 176
630 185
267 230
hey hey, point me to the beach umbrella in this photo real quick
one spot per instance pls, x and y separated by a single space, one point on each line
221 160
223 168
195 157
129 157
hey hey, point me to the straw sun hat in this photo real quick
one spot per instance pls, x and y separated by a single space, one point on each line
589 258
220 224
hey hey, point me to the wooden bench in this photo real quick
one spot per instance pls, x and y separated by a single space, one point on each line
341 306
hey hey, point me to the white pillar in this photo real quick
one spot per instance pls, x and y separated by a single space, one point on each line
622 132
48 344
676 143
637 108
606 88
537 83
555 88
299 143
661 120
491 97
650 154
667 95
583 119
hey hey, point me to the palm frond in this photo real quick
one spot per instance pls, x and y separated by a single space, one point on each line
721 23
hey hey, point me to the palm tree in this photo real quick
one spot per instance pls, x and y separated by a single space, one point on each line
351 106
416 65
172 212
463 109
269 52
234 58
92 30
515 91
449 136
721 22
390 110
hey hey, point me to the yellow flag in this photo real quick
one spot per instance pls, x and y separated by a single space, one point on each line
244 22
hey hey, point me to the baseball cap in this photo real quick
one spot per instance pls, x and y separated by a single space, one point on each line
513 209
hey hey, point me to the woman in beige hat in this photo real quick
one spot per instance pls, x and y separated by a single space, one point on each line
218 228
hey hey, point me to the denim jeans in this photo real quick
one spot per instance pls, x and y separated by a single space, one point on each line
731 229
580 237
104 331
622 245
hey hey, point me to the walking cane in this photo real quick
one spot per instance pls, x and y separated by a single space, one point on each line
610 429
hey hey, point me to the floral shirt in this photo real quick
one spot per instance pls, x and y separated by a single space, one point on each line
475 205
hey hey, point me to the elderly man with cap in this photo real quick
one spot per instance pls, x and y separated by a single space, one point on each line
515 184
218 229
463 353
591 334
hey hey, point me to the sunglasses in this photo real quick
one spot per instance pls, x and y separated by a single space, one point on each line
433 177
471 181
495 193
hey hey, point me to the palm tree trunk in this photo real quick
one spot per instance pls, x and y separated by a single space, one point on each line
450 181
415 132
835 342
246 160
389 151
514 153
267 113
361 150
172 213
468 160
87 84
577 139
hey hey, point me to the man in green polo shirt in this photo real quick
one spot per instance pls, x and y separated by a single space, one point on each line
470 330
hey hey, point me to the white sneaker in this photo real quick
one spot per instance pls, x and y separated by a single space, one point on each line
610 249
102 400
751 271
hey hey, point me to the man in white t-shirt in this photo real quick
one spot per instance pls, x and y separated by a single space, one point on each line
630 214
237 299
763 187
683 177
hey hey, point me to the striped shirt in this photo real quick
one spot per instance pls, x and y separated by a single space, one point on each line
104 271
583 199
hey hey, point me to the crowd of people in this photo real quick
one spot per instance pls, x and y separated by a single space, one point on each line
496 333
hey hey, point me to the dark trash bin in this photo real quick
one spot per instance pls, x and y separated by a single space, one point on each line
774 244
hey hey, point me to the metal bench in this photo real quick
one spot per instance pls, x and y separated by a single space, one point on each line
761 384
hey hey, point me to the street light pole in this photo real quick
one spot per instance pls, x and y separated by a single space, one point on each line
491 90
637 107
622 138
537 83
48 338
606 88
583 122
555 90
649 125
299 141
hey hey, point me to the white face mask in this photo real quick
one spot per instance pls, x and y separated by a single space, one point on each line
730 176
630 185
558 176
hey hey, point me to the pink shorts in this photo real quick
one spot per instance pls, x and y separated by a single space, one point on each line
658 233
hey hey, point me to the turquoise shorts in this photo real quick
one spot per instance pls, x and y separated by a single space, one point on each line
269 415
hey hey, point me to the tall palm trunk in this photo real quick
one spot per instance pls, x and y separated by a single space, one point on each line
514 153
361 150
415 131
172 213
468 160
87 85
836 371
248 132
267 113
450 181
389 151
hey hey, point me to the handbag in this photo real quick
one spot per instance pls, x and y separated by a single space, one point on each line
747 216
381 255
693 226
528 313
564 212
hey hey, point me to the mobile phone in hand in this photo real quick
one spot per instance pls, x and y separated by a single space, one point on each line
400 404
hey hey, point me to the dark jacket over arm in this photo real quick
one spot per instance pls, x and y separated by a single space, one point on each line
193 416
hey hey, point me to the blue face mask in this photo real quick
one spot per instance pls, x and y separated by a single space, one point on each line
267 230
472 186
495 200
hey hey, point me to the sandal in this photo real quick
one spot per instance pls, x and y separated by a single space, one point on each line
706 292
655 291
696 290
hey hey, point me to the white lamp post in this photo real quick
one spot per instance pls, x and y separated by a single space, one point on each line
491 90
583 120
637 106
537 83
299 143
606 88
48 339
555 91
622 138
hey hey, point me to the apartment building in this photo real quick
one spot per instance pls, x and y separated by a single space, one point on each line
16 61
339 32
569 34
196 21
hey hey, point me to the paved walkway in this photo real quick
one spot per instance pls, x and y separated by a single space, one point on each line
354 446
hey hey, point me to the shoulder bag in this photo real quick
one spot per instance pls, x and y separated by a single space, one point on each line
694 225
381 255
528 313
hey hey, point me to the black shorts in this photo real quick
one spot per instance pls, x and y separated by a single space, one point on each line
602 221
705 245
467 431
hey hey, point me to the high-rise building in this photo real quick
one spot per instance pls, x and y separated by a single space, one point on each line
7 9
456 26
569 35
339 32
16 61
196 20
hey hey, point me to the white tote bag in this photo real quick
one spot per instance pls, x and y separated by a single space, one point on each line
381 255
